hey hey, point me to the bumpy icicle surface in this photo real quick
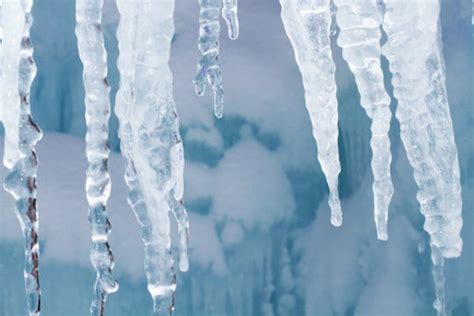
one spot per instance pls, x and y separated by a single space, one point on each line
209 67
414 50
93 56
150 140
308 25
359 23
21 135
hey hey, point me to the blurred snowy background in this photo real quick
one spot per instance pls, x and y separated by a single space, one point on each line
261 242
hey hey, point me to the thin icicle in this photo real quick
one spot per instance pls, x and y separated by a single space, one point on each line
150 140
1 60
209 67
268 287
21 135
94 59
414 50
438 276
308 25
359 22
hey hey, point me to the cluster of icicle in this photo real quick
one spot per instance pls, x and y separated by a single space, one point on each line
21 133
150 141
414 51
149 128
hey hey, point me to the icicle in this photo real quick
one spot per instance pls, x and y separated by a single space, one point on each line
93 55
359 23
438 276
268 287
308 25
150 140
1 60
414 50
209 66
286 301
21 135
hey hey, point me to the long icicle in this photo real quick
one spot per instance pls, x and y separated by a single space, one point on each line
359 22
150 140
414 50
308 25
22 134
94 59
1 61
209 67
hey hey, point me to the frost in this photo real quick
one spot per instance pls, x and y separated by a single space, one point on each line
209 67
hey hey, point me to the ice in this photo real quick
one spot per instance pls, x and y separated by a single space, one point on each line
1 59
150 141
21 135
98 185
308 25
359 23
337 271
209 67
414 50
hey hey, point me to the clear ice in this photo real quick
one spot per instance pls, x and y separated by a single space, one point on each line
414 50
21 134
209 67
94 59
150 141
359 22
308 24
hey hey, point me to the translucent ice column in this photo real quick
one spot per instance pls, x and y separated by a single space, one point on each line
150 140
94 59
359 22
209 67
308 25
414 50
21 134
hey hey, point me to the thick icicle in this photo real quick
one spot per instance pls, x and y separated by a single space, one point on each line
308 25
359 22
209 66
93 55
150 140
414 50
21 135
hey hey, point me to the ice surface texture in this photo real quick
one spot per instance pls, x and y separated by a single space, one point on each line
21 134
150 140
359 23
414 51
308 25
209 67
93 56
